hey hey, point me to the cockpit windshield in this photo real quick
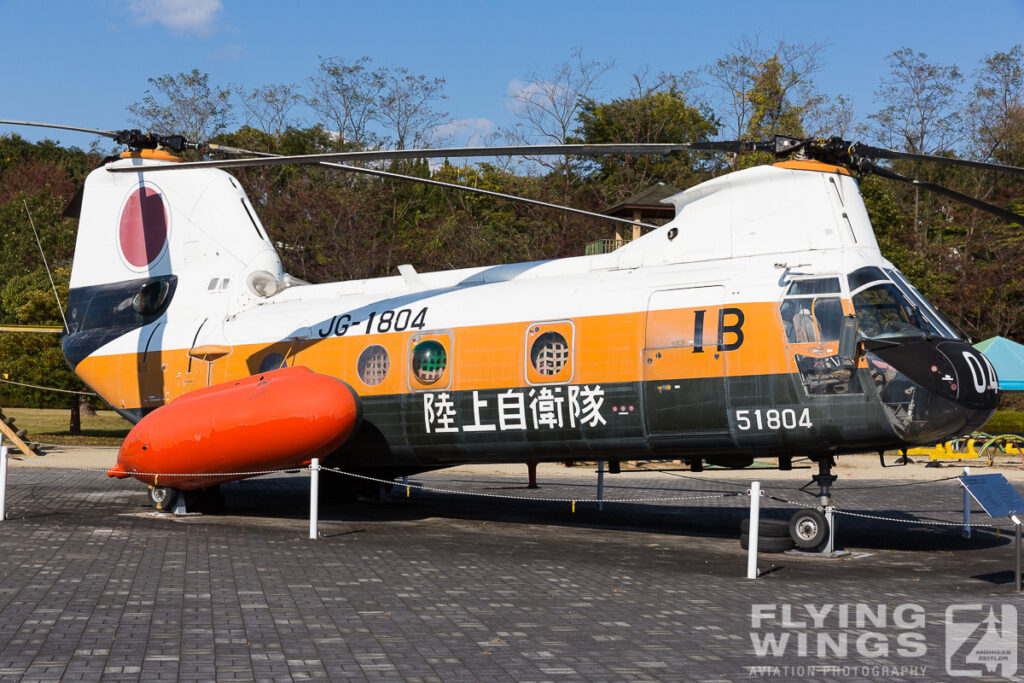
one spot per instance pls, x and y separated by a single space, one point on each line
882 311
939 325
887 305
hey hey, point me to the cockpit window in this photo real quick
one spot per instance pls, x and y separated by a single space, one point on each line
863 276
883 311
828 312
824 285
812 315
938 325
811 319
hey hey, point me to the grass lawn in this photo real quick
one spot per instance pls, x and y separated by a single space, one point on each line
50 425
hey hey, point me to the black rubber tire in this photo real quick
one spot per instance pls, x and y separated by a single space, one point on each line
163 497
768 544
809 529
776 528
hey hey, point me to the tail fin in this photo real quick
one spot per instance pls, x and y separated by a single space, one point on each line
152 244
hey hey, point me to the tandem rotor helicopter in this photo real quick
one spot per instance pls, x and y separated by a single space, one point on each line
761 321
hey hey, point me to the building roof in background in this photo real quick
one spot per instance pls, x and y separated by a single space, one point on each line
1008 359
648 202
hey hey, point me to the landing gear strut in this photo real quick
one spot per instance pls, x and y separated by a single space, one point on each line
811 527
824 479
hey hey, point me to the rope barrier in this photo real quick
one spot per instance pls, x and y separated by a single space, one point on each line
573 501
99 447
292 470
505 496
842 488
36 386
893 486
921 522
687 476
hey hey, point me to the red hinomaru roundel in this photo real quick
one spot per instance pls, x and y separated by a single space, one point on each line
143 230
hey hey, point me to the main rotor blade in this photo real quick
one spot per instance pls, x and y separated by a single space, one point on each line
438 183
1008 216
859 149
446 152
105 133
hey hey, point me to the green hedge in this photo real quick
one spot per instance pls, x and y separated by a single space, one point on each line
1005 422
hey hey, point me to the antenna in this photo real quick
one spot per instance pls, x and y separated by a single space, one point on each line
45 264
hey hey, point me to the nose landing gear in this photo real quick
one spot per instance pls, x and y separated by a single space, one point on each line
811 528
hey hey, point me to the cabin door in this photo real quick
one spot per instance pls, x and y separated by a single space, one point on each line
684 370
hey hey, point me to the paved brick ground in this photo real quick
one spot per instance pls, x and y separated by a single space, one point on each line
437 587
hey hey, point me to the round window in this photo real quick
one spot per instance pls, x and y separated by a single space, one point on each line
373 364
429 361
549 353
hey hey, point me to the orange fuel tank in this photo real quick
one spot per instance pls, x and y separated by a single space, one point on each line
274 420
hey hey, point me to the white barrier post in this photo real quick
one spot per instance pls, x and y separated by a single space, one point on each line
3 479
966 533
600 484
755 523
830 520
314 496
1016 573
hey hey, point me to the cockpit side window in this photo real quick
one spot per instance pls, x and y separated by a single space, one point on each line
812 311
823 285
828 312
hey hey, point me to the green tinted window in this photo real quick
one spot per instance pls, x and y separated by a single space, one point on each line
429 361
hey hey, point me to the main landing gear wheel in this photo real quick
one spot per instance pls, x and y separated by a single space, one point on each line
776 528
809 529
163 497
768 544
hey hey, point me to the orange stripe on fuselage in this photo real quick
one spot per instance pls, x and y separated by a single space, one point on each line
608 349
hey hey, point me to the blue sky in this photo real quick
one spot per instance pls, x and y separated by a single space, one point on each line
84 62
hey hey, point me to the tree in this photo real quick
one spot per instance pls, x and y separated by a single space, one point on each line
344 94
921 114
378 107
268 107
183 104
771 111
405 107
768 91
651 114
44 178
996 114
34 358
548 106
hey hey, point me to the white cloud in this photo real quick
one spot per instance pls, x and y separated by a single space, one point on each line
188 16
231 51
520 93
470 132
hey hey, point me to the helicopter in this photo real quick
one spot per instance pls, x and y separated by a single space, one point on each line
761 321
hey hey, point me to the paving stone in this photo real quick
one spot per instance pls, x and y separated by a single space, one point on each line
435 587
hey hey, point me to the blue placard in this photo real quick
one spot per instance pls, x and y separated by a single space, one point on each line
996 495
